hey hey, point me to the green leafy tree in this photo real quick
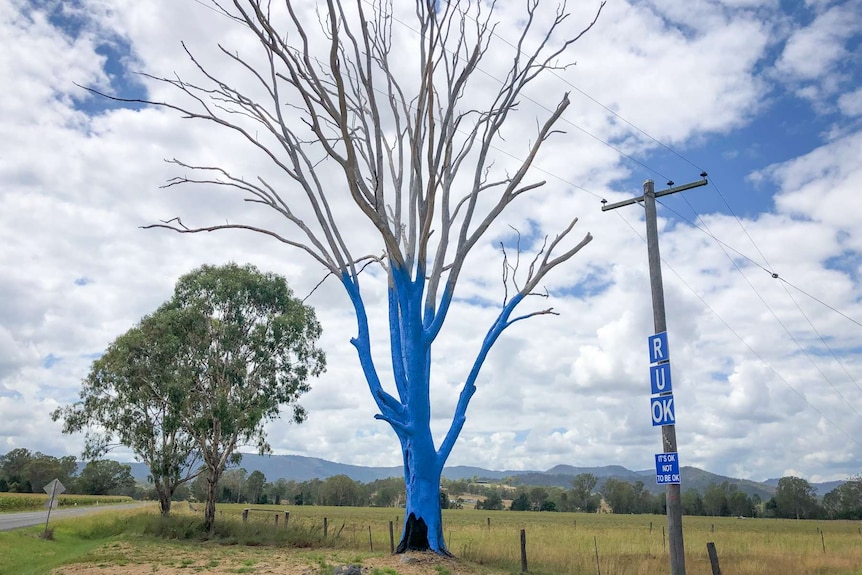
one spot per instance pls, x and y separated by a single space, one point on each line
740 505
135 395
42 469
340 490
492 502
254 486
12 467
232 484
692 502
387 492
715 499
619 495
106 477
250 350
538 496
795 498
202 376
845 501
521 502
581 496
277 490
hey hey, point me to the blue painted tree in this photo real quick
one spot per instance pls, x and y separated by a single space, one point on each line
346 113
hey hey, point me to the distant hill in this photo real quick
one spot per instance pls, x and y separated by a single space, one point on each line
300 468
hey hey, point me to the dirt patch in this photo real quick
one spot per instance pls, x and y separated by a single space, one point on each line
129 559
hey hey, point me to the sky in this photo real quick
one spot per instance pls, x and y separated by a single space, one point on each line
761 267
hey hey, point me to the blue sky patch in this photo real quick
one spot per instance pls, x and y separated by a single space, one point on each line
51 360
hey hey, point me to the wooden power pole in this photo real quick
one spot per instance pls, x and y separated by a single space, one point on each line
668 432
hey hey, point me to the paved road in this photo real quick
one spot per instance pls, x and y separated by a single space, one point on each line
17 520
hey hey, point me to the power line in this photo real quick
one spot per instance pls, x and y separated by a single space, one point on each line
769 271
850 436
784 326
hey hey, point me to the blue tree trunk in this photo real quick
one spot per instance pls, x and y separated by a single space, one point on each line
423 522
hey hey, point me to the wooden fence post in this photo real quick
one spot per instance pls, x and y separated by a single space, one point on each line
823 541
370 542
286 518
713 558
489 523
325 527
276 519
596 545
245 515
523 550
391 539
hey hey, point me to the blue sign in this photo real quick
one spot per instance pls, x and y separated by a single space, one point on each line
659 376
666 468
661 408
658 349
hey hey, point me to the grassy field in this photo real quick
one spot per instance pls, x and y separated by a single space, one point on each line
557 543
14 502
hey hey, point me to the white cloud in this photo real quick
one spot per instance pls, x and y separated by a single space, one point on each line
850 103
569 389
817 57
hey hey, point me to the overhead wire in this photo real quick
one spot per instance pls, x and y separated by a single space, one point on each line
724 246
754 352
781 322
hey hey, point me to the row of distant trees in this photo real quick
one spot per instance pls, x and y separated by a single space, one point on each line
239 486
794 498
24 472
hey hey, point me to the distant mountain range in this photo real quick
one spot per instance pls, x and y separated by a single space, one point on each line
299 468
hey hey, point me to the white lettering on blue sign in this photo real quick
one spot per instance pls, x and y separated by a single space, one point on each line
661 409
658 349
660 380
666 468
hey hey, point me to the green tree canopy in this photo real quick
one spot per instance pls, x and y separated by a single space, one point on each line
106 477
845 501
582 492
202 376
135 395
795 498
249 351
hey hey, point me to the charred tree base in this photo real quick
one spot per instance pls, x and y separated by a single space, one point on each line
416 538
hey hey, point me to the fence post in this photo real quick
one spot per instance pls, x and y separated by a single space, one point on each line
596 545
245 515
391 540
713 558
370 542
489 522
276 519
523 550
822 541
286 518
325 527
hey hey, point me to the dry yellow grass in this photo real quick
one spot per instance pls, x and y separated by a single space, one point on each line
566 543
